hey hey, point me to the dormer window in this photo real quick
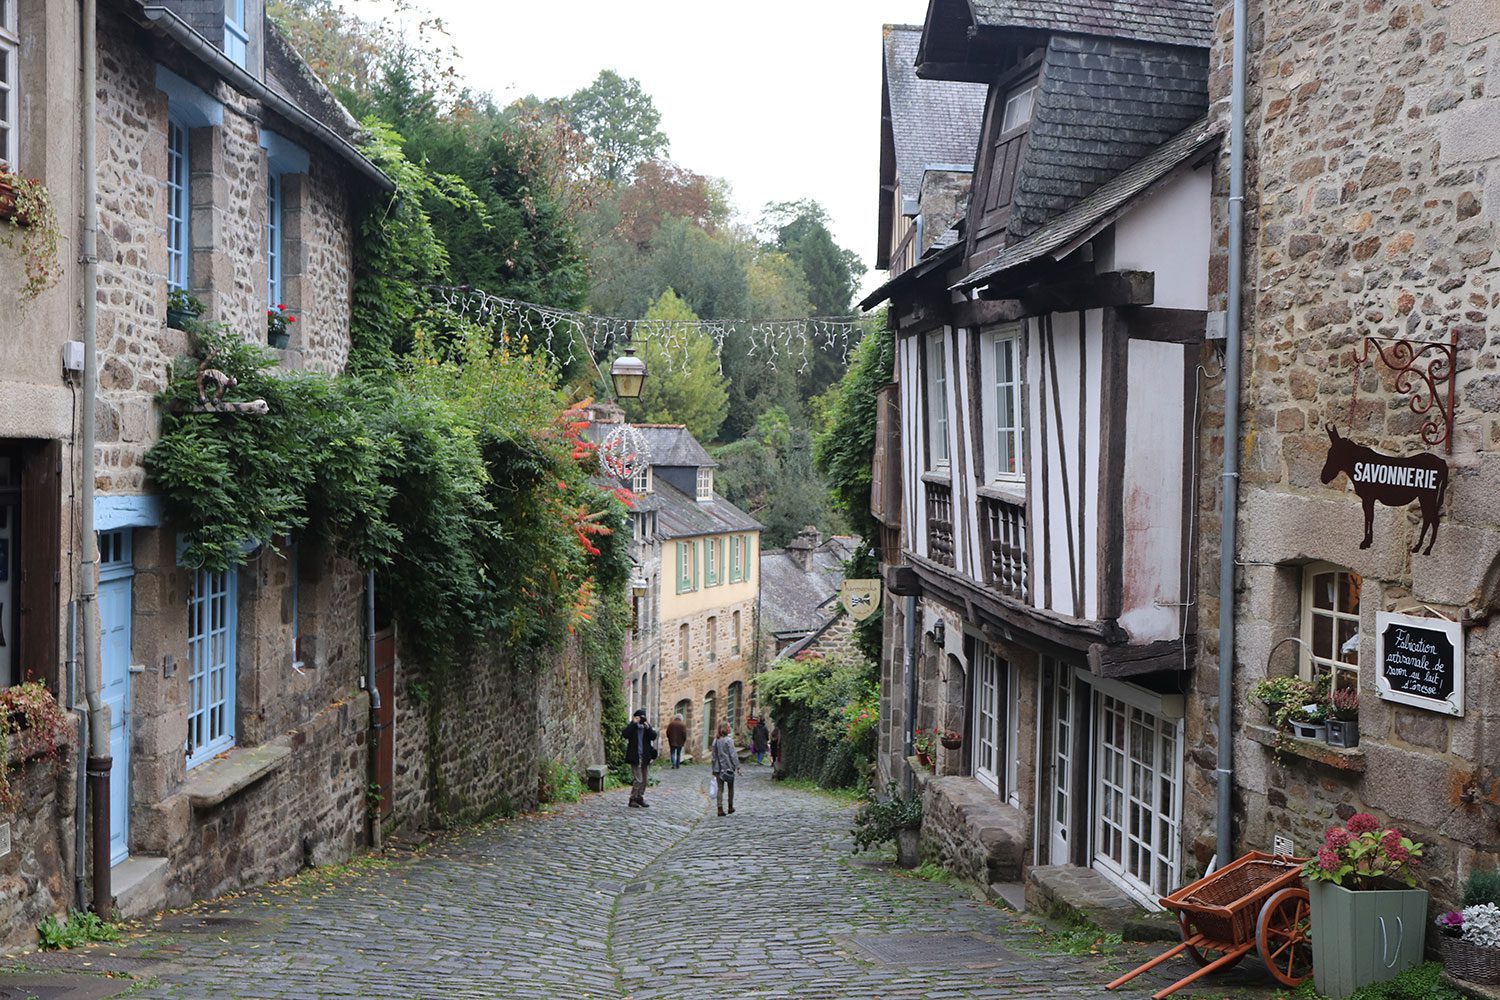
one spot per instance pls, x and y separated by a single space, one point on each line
236 38
705 484
640 483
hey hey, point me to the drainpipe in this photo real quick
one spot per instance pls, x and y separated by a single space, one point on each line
374 689
80 784
1230 480
99 760
909 682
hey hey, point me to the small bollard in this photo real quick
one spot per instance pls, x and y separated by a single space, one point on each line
596 773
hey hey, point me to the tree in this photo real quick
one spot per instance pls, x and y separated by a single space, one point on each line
622 122
770 474
683 382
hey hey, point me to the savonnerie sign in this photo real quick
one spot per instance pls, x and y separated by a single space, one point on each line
1392 474
1420 662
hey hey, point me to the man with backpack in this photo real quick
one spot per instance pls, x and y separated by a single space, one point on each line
640 751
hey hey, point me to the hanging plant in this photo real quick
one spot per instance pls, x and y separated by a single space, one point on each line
26 208
33 725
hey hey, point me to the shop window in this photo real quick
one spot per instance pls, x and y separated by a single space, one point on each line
1330 624
1138 797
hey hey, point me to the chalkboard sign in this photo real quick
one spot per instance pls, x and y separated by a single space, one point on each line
1420 662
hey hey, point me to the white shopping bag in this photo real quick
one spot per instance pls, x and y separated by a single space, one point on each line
713 787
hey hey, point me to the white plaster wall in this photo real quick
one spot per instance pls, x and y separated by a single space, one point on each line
1169 234
1152 498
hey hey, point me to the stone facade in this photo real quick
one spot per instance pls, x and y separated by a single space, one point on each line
706 674
1371 212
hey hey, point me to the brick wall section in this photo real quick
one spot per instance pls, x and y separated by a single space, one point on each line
1371 211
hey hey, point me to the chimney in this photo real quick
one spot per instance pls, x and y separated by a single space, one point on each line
802 547
604 412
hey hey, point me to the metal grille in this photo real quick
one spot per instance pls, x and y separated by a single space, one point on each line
1005 544
940 524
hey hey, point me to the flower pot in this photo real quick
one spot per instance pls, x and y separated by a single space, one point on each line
281 340
1470 961
8 201
1367 937
907 843
952 742
924 759
1309 730
1343 733
177 317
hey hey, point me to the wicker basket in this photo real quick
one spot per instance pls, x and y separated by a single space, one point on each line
1470 961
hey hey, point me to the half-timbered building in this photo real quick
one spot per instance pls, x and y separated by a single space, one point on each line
1036 467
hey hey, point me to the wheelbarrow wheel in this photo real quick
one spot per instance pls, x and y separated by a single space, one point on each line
1198 957
1283 935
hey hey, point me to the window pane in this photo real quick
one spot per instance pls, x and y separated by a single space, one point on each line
1322 637
1323 585
1349 586
1348 650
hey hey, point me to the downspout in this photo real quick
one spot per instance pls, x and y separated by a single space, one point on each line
374 690
80 784
1230 480
99 760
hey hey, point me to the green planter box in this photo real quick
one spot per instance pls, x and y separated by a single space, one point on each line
1360 938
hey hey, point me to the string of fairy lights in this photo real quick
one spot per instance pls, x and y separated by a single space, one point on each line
563 333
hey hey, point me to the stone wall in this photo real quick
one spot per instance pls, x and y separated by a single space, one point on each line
1371 211
35 874
970 832
704 675
468 742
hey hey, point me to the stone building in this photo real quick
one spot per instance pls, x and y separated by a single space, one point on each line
1036 469
1373 146
799 597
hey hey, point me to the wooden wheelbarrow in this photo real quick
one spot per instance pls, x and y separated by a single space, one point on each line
1255 904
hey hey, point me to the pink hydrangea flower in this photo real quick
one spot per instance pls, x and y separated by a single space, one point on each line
1327 859
1363 823
1398 854
1336 837
1391 840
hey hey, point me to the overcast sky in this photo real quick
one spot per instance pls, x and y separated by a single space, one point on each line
779 97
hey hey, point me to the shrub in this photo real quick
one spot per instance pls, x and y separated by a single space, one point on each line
878 820
558 782
1482 887
827 709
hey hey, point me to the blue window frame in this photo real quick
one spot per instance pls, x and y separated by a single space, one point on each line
177 204
236 38
273 241
212 629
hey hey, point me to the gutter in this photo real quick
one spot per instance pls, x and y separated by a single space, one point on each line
1230 479
237 77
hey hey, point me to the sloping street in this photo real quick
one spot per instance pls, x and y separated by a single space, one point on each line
595 900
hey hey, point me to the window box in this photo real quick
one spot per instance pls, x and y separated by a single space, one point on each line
1317 752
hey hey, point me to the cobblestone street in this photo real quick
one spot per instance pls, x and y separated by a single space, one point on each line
595 900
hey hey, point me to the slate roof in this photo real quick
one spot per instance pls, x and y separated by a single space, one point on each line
944 250
671 445
935 123
1168 22
680 516
1103 206
794 602
1104 104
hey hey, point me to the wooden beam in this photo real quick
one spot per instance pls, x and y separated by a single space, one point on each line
901 581
980 314
1112 288
1167 326
1130 661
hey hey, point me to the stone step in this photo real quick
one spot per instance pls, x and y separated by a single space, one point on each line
140 885
1012 894
1069 893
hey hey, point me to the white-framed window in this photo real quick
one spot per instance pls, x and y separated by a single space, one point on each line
1138 797
989 682
734 635
641 481
236 37
687 567
712 550
10 82
705 484
211 659
713 638
1001 408
273 241
177 204
1330 623
937 401
1018 106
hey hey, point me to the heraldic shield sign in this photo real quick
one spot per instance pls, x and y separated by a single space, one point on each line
860 598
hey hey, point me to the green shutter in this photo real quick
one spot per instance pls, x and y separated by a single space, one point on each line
746 541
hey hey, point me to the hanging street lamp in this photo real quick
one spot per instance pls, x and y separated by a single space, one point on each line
628 374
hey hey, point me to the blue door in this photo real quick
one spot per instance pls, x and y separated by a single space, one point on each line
115 574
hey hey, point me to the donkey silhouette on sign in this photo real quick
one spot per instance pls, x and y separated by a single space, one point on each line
1395 482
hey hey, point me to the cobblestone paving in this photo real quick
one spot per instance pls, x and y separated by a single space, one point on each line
599 901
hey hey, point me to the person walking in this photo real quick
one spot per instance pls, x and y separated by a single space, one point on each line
725 761
759 737
676 739
775 747
640 751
